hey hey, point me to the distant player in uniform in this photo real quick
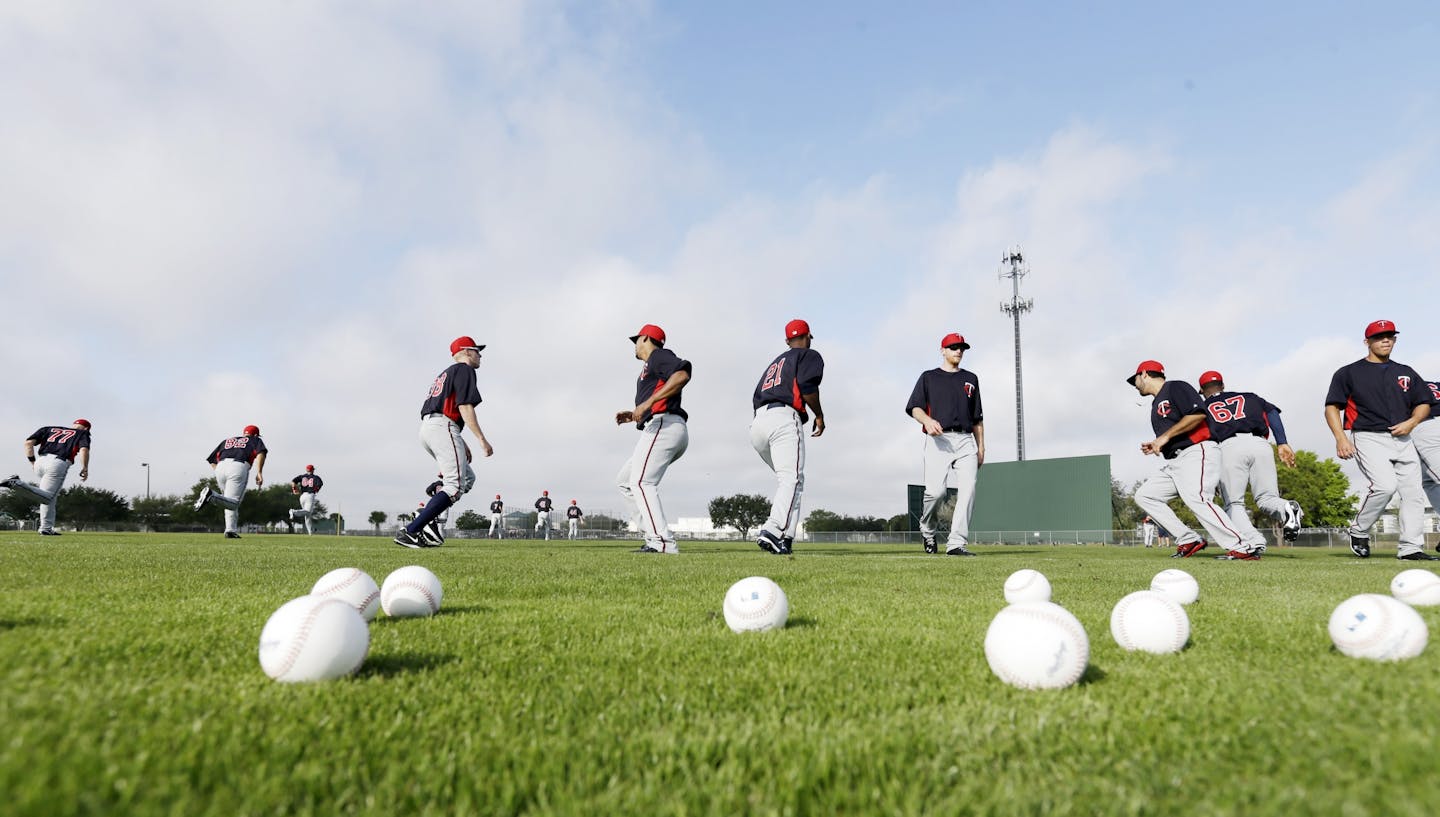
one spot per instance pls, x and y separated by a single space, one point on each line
946 404
231 461
449 409
58 448
1147 529
1192 465
1371 408
543 506
1240 423
497 518
786 389
1426 438
664 436
574 514
307 485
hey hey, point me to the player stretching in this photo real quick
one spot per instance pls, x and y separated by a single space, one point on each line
1382 401
449 408
663 436
59 446
1192 465
307 485
946 404
231 461
789 385
1240 423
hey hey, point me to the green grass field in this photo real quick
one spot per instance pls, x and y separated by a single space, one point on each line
583 679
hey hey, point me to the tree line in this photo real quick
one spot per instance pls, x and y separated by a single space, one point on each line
81 507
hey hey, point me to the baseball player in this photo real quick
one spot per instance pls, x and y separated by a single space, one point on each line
786 389
58 448
1147 529
1240 423
1192 465
449 409
497 518
1371 408
542 513
573 513
307 485
1426 438
946 404
664 436
231 460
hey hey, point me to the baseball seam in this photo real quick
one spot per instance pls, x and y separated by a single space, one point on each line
425 591
349 580
297 644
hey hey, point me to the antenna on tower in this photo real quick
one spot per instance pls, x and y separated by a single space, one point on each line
1013 267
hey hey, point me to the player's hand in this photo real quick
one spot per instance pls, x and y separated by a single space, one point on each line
819 427
979 456
1344 449
1287 455
259 480
932 427
1155 446
1403 428
623 417
84 474
469 457
485 444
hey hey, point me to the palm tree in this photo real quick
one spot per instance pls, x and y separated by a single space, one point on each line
377 518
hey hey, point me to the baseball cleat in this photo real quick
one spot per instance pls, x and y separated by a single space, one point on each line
930 544
645 549
1418 556
431 535
1291 528
1189 549
787 545
406 539
959 551
230 534
1239 556
9 482
203 498
49 533
769 542
1360 547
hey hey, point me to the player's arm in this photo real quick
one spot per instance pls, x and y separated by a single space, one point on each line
1187 424
1344 449
467 412
813 401
260 469
1282 445
1418 415
295 485
30 449
979 433
84 454
672 386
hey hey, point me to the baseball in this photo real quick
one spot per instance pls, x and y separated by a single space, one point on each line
756 604
1027 585
1417 588
313 638
1037 645
411 592
1377 627
1150 622
352 586
1177 584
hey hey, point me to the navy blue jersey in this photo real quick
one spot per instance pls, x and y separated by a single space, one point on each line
60 441
497 507
1434 387
308 483
573 512
1228 413
657 371
794 373
1375 396
455 387
245 449
1175 401
542 504
952 399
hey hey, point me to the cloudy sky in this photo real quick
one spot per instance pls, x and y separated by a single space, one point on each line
215 214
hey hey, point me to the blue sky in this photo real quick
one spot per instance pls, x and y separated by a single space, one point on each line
282 213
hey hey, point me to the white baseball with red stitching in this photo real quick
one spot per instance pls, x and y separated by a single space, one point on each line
411 592
352 586
1037 645
313 638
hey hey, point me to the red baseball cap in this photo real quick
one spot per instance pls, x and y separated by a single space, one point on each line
1211 376
1145 366
497 496
464 342
309 468
952 339
572 502
544 493
650 331
796 329
81 422
252 431
1380 328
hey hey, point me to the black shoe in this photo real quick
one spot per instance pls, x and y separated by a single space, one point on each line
230 534
431 535
1418 556
49 533
930 544
958 551
769 542
787 546
645 549
203 497
406 539
9 482
1360 547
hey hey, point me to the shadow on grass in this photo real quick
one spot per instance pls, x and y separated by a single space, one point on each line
389 666
1092 675
445 611
7 624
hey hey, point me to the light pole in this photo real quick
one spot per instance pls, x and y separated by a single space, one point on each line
1015 307
146 466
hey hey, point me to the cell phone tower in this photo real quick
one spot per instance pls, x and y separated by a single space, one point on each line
1014 268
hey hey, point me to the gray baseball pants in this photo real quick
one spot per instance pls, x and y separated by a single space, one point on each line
1246 459
1193 476
951 458
1392 465
662 441
778 436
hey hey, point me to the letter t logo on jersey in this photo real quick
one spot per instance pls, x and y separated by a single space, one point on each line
969 389
1163 409
1404 381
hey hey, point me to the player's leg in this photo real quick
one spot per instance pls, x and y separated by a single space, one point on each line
1373 456
42 466
1196 473
1153 497
1426 438
307 505
669 440
52 471
231 476
1235 463
1412 498
627 485
778 436
963 471
939 454
441 438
